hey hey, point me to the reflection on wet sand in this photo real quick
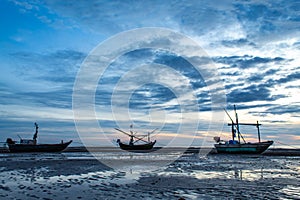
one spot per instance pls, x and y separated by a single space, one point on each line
80 175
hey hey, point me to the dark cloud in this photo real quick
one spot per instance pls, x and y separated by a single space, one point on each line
283 109
242 106
271 72
103 97
262 76
250 94
246 61
255 78
237 43
184 67
229 87
176 62
270 83
289 78
236 73
150 96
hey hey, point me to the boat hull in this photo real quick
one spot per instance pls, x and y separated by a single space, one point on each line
21 148
147 146
247 148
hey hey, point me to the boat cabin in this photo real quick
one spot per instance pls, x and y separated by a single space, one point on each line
232 142
26 141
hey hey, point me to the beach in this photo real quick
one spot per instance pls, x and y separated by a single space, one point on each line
79 175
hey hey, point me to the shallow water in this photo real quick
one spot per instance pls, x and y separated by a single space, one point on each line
78 175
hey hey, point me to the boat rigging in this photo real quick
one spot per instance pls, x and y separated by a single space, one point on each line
238 146
134 138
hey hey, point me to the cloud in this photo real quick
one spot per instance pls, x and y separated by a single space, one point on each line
59 66
237 43
268 20
150 87
289 78
249 94
255 46
283 109
247 61
42 80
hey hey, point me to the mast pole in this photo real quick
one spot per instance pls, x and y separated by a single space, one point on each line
237 123
36 132
258 131
232 125
232 131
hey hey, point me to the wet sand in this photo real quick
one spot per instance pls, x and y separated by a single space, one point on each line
78 175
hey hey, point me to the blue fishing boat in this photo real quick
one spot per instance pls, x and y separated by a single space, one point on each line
239 145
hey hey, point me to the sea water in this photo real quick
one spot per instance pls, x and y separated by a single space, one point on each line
191 176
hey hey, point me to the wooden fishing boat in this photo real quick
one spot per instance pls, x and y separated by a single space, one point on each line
147 146
28 145
244 148
241 147
134 138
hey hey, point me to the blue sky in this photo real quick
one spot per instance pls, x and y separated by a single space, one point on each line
254 45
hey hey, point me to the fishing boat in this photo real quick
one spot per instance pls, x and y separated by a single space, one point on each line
28 145
237 146
134 138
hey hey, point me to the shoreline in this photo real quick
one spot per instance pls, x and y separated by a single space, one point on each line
204 150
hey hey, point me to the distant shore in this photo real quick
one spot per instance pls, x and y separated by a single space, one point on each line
206 150
268 152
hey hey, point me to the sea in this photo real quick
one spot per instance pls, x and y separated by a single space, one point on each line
172 174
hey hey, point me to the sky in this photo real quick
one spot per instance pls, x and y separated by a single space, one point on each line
252 48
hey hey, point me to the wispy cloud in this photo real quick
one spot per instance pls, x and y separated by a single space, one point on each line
255 47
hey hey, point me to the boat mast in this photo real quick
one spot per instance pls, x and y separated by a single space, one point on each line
36 132
258 132
237 123
232 125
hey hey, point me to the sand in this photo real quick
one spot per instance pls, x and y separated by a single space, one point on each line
75 175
